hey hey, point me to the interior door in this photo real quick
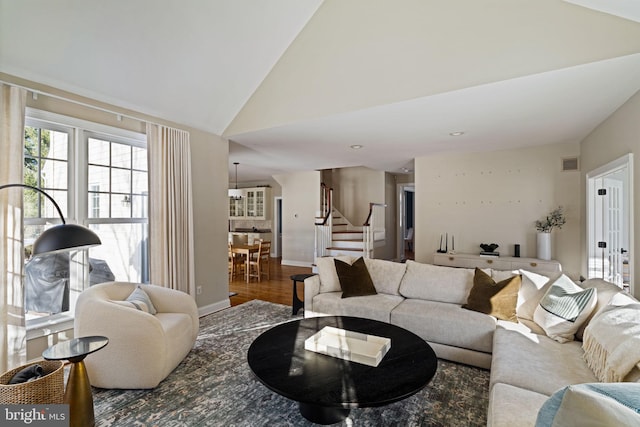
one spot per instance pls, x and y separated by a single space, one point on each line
609 236
612 217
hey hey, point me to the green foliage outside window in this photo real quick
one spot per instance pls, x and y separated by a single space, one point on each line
36 148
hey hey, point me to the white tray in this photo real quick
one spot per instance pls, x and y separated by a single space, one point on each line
349 345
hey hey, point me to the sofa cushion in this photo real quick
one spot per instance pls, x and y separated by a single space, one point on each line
436 283
497 299
536 362
592 405
446 323
513 406
563 308
376 307
355 280
327 272
386 275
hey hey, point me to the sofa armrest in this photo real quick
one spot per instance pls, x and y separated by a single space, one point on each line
311 289
168 300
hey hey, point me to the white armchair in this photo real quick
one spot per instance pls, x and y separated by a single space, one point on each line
143 348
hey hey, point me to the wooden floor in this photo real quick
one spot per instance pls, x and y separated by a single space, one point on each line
278 289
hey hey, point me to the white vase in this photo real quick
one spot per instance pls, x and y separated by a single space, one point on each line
544 246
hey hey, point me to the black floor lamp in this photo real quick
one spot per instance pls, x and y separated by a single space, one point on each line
63 237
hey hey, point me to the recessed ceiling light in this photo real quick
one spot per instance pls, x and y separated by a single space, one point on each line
356 146
458 133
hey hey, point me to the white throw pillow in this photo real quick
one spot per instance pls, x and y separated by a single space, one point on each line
327 271
563 308
532 289
139 300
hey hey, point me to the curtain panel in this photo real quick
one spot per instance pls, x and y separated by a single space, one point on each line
13 342
171 253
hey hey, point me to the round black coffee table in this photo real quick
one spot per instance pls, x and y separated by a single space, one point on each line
327 387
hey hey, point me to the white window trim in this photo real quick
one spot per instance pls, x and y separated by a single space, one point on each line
77 206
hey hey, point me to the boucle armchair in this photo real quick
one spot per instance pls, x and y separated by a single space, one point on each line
143 348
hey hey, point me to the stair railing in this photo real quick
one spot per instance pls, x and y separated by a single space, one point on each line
324 224
373 228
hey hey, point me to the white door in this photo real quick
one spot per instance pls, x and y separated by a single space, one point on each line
612 218
609 225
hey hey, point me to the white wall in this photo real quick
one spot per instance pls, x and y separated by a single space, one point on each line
300 203
495 197
613 138
209 162
354 189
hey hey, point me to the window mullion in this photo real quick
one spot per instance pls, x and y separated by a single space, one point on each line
80 174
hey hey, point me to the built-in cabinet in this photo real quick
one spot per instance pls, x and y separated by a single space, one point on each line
254 204
497 263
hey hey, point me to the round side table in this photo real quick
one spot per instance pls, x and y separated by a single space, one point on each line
78 391
297 303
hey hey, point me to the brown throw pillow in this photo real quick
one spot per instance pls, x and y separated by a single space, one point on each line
495 299
355 279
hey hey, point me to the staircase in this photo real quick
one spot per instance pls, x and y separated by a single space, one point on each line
336 236
346 239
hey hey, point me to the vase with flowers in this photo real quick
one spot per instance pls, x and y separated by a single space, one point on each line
555 219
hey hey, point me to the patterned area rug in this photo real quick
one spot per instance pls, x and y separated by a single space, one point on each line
214 386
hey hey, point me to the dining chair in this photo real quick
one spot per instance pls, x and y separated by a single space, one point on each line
260 265
236 263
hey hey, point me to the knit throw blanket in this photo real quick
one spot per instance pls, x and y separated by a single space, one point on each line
611 342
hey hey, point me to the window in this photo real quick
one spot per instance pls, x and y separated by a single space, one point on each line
117 204
98 176
46 166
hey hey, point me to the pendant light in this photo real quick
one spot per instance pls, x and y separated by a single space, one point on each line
234 193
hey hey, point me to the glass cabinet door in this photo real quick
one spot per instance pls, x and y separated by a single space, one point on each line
236 208
259 201
251 203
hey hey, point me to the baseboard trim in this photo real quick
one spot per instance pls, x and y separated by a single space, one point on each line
296 263
212 308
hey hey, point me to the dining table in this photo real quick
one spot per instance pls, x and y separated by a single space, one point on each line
247 250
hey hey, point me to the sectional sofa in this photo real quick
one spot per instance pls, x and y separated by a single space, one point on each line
527 366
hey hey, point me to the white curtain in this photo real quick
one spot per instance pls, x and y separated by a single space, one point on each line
171 257
13 343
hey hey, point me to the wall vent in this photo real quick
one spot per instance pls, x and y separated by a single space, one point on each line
570 164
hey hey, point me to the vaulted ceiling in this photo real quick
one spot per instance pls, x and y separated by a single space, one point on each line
294 84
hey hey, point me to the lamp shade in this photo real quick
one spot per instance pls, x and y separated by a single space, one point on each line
65 237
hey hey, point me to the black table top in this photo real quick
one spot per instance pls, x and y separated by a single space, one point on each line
76 348
279 360
300 277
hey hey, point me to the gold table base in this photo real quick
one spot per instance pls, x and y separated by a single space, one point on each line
79 397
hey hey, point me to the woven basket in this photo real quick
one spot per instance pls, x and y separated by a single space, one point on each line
46 390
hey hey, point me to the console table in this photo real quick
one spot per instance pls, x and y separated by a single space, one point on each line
498 263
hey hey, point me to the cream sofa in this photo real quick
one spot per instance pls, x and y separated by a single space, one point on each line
143 348
526 366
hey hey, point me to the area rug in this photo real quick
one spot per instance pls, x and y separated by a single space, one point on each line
214 386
